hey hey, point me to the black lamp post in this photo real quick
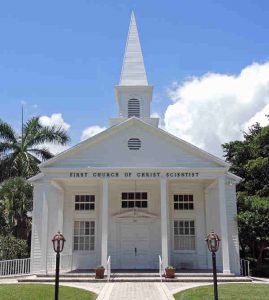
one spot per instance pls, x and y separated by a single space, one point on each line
213 245
58 246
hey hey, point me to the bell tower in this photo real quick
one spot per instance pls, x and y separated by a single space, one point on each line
133 94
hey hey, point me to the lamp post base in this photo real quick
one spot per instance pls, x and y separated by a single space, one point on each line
215 276
57 276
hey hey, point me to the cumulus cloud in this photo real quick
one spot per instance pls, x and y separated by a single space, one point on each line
57 120
91 131
216 108
260 117
155 115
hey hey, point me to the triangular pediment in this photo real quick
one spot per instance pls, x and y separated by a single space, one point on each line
135 214
109 149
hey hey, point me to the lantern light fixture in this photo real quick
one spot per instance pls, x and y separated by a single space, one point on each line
213 242
58 242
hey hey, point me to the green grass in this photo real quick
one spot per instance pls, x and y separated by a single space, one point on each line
243 291
42 292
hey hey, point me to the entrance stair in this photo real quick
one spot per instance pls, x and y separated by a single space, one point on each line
136 276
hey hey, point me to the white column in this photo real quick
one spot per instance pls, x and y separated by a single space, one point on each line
104 222
59 199
223 225
44 237
60 210
35 267
164 221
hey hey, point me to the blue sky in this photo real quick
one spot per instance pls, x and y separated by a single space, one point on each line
66 56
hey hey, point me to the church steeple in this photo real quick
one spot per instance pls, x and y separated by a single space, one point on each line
133 69
133 94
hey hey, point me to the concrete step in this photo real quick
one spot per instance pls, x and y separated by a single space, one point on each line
137 275
180 279
136 279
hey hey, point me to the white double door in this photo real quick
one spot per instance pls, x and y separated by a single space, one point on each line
134 245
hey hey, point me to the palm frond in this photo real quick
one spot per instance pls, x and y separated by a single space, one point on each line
26 165
5 148
31 127
43 153
46 134
7 133
20 156
7 166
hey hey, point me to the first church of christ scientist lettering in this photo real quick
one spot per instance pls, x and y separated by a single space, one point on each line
135 174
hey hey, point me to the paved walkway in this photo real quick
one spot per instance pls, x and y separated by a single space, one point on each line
135 291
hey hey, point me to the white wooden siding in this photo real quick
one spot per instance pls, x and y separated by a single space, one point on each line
196 259
36 252
213 222
113 152
232 228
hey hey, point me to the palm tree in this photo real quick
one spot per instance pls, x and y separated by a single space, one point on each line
21 153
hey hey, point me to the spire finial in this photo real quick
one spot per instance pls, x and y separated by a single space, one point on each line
133 69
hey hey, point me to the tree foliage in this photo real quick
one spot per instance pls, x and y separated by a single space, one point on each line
16 198
250 160
253 220
21 153
12 248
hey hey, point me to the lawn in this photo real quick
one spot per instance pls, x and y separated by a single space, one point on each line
243 291
42 292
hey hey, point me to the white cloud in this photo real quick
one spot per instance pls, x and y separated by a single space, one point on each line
57 120
260 117
155 115
91 131
216 108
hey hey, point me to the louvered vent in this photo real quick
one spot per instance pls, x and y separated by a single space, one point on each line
133 108
134 144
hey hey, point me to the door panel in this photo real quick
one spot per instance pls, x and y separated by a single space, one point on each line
134 245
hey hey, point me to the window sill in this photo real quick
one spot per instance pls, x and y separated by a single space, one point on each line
84 252
85 212
134 208
184 251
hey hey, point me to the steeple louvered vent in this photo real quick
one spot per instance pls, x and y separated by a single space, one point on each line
134 144
133 108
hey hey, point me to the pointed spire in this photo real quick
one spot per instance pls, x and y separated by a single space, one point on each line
133 69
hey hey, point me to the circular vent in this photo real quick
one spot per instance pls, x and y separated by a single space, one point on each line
134 144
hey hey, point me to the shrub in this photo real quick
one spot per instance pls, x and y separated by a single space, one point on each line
12 248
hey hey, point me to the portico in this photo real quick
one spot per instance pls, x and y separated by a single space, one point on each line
135 231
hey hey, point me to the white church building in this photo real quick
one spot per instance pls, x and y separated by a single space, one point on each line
134 192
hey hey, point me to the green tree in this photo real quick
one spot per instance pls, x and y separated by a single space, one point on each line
21 153
16 198
250 160
253 220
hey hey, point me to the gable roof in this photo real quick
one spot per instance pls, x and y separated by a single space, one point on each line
131 122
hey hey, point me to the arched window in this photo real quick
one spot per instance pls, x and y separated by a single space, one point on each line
133 108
